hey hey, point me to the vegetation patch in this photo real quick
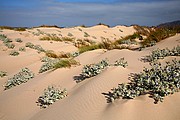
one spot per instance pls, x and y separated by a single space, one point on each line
21 77
51 95
158 81
2 74
14 53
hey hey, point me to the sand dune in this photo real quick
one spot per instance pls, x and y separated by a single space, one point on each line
86 100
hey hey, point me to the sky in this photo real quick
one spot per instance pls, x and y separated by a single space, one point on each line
67 13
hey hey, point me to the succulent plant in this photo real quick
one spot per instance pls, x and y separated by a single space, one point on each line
18 40
121 62
160 54
158 81
94 69
14 53
21 77
48 65
2 73
51 95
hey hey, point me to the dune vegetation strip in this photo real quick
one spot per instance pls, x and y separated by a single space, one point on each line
161 53
21 77
92 70
51 95
158 81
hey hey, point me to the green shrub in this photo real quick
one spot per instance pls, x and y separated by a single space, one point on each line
14 53
158 81
21 77
92 70
160 54
9 45
51 95
18 40
86 34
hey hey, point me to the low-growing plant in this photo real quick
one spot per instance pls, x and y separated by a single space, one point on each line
158 81
92 70
88 48
2 73
121 62
9 45
14 53
30 45
75 54
161 53
48 65
22 49
18 40
21 77
51 95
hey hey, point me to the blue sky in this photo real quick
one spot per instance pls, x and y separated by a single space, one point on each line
88 12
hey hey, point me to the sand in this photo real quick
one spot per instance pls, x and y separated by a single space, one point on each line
85 100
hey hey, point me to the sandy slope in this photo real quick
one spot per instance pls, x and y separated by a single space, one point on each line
86 100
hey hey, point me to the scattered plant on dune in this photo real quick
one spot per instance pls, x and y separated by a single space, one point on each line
88 48
14 53
121 62
92 70
9 45
51 37
52 54
161 53
83 42
51 63
22 49
18 40
51 95
21 77
36 47
158 81
2 73
48 65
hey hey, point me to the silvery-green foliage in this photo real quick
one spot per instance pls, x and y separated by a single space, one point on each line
39 48
51 95
48 65
2 73
2 37
18 40
94 69
30 45
45 59
158 81
160 54
21 77
14 53
36 47
121 62
9 45
23 49
7 40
